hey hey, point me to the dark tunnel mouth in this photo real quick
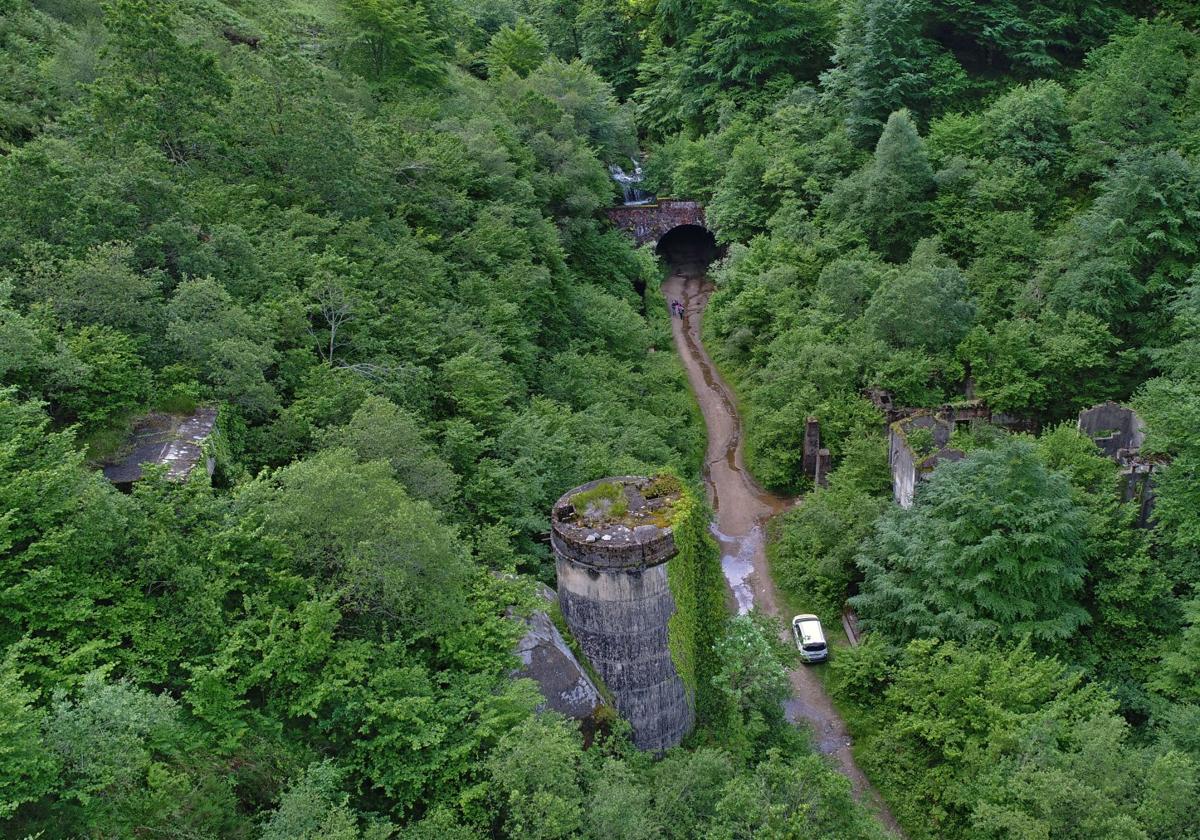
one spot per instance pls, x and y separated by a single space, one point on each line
688 246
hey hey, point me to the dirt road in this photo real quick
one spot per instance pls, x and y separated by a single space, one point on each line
742 509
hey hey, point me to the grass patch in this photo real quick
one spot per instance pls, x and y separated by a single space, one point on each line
603 503
176 402
920 441
99 445
663 484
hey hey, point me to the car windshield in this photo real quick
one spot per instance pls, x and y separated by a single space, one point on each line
814 646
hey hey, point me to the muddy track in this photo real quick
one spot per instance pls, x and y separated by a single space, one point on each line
742 509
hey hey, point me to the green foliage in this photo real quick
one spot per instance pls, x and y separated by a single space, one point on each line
395 280
1030 124
926 305
395 38
152 87
880 64
742 44
609 41
126 760
536 771
698 588
380 268
312 808
1172 412
1058 189
1131 92
1132 250
994 547
380 430
982 741
1178 676
519 49
28 769
812 557
751 682
107 382
392 557
737 210
895 189
1054 367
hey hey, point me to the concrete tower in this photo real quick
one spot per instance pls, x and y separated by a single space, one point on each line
612 541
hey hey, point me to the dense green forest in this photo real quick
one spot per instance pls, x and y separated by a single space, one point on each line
370 231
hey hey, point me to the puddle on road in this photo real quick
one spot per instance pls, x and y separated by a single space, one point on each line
737 563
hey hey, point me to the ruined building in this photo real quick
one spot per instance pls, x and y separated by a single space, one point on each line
815 463
612 543
179 442
1120 433
913 460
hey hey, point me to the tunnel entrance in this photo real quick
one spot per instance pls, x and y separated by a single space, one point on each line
688 249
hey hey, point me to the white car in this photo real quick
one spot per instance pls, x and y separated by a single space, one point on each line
810 638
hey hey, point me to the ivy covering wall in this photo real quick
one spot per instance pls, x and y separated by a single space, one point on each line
694 576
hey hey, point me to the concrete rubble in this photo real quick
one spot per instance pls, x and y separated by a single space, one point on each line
548 661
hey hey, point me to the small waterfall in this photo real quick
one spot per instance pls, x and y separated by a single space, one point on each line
629 184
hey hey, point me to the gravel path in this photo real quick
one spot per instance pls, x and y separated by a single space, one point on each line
742 509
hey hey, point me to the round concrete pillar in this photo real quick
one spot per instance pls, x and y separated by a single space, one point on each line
612 586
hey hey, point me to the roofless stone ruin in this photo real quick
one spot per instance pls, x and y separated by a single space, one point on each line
612 541
175 441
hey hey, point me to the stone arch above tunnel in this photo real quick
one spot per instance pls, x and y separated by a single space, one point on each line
649 223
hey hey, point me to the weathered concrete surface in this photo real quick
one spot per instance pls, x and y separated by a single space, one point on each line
612 587
743 508
550 663
1113 428
173 440
815 463
1120 433
648 223
907 468
973 409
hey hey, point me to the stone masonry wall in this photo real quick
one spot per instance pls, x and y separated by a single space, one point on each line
650 222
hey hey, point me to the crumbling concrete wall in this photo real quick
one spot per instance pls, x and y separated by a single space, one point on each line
1113 428
613 590
910 468
816 460
971 410
1120 433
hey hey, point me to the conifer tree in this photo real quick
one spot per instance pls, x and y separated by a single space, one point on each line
519 48
896 189
994 547
880 64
